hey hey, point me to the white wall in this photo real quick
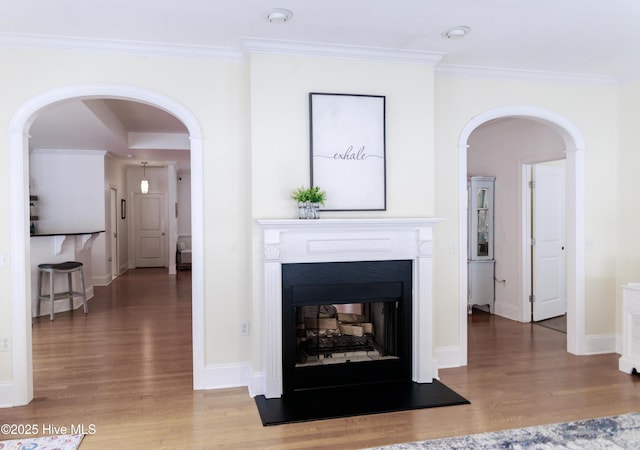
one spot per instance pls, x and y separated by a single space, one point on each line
628 186
69 198
254 120
279 87
593 110
214 92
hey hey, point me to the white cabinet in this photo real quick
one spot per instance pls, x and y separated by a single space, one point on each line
630 358
481 196
481 265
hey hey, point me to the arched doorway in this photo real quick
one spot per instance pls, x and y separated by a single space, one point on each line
22 372
574 144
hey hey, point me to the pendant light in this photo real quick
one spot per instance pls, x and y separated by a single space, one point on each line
144 183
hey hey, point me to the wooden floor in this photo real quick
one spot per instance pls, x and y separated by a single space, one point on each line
124 372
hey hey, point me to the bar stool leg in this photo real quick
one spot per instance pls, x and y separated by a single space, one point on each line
51 294
39 293
70 290
83 291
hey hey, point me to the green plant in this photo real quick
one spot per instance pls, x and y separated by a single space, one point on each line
311 195
316 195
300 195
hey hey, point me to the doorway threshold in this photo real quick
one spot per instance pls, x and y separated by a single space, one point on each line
555 323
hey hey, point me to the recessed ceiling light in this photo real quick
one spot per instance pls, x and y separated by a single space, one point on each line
456 32
279 15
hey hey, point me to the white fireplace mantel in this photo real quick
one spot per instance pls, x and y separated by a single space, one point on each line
338 240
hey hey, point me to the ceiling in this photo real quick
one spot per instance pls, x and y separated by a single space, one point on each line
131 131
574 36
596 39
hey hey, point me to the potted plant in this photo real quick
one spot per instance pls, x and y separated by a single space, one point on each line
316 198
309 201
300 195
316 195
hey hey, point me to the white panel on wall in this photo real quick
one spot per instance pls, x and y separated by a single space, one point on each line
69 185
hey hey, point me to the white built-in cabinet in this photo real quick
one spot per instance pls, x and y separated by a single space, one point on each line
481 264
630 358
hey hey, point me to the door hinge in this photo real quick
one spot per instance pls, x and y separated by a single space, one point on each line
532 298
533 242
532 184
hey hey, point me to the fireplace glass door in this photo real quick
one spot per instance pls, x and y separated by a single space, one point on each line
345 333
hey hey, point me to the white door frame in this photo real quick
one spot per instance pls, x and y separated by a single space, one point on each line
20 390
113 239
575 149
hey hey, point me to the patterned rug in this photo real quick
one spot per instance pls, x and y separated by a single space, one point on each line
617 432
66 442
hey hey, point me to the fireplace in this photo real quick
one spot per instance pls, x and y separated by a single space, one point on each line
389 268
346 323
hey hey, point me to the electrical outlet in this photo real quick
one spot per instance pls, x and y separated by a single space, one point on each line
244 328
5 344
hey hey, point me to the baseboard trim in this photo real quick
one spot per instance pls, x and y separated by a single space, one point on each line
102 280
597 344
256 384
448 357
507 311
10 396
221 376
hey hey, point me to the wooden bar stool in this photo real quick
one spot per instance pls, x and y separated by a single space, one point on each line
52 269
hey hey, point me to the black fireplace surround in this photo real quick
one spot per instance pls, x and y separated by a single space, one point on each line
312 291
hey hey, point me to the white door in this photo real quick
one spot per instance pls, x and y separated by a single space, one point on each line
548 232
149 230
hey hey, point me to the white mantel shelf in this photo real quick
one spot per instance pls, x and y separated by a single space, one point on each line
295 224
333 240
337 240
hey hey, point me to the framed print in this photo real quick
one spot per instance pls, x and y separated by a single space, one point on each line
347 135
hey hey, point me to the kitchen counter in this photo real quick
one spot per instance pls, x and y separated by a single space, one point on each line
74 233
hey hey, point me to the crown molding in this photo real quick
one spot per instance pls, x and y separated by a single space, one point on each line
337 51
263 46
630 78
298 48
476 72
47 42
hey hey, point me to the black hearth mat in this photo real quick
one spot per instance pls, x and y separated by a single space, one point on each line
331 403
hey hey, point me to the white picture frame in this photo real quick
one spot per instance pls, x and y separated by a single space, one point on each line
348 150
